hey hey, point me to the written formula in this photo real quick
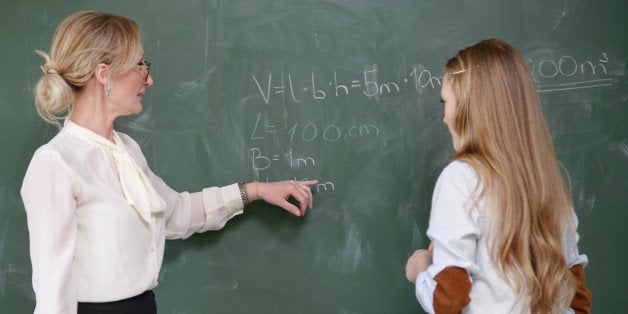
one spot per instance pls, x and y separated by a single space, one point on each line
573 73
319 88
307 132
261 161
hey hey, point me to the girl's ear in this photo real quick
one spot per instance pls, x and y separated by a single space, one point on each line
101 73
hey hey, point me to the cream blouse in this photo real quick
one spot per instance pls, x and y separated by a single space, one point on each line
98 218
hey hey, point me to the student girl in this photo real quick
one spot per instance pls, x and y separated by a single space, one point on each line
502 223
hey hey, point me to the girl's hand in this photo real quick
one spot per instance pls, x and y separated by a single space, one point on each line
418 262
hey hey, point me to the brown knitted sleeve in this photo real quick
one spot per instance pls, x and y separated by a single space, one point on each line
581 302
452 290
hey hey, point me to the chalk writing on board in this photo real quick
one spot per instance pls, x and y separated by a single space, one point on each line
310 131
318 88
262 161
588 74
550 75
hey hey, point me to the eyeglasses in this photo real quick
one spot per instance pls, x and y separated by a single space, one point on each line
145 69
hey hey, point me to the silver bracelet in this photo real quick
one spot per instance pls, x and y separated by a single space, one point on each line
243 195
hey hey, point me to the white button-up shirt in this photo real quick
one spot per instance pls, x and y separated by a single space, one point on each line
93 238
458 232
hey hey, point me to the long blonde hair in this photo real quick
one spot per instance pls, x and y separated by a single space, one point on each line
504 137
81 42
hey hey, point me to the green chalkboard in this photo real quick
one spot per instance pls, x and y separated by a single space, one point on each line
344 91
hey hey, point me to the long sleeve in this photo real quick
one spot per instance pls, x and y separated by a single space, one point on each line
454 232
189 213
220 205
48 195
424 290
447 292
581 302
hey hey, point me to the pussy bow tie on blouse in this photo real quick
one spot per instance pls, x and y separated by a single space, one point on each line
136 187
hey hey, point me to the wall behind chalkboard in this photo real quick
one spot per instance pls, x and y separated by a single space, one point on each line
342 91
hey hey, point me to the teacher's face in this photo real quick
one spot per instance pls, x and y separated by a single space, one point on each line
449 102
129 88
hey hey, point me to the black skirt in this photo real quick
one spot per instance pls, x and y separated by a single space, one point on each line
141 304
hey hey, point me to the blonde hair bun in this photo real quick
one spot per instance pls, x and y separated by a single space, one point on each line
53 96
